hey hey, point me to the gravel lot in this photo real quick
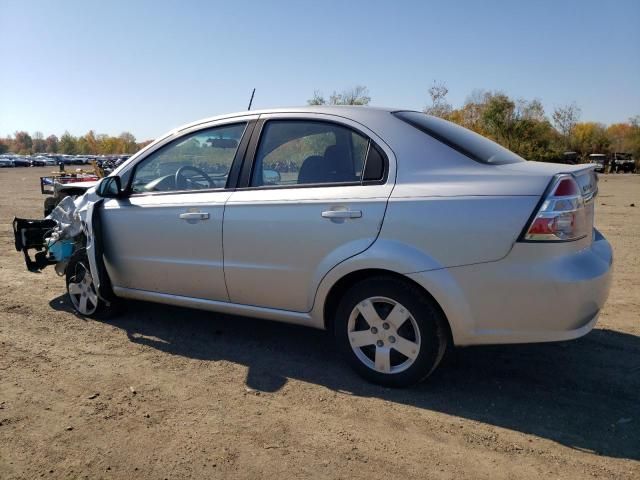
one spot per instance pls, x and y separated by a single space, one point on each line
162 392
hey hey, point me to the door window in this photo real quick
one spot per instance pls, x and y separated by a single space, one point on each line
201 160
294 152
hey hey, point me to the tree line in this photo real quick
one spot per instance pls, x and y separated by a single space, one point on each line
89 144
520 125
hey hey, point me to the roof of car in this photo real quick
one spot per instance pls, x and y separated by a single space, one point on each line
354 112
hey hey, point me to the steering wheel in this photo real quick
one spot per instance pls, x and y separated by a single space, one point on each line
181 180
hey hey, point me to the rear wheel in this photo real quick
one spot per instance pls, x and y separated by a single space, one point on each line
82 290
390 331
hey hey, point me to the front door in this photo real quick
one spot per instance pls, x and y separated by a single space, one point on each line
166 235
311 202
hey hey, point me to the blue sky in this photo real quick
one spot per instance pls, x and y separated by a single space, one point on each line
148 66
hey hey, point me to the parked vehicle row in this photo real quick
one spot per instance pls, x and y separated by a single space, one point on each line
615 163
43 160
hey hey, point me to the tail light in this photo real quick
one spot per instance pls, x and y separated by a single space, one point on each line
563 215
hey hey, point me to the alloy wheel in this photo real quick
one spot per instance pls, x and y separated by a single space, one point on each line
82 290
384 335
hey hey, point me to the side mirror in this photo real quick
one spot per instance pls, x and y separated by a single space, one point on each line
270 177
109 187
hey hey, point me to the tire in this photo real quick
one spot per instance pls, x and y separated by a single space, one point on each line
81 289
404 342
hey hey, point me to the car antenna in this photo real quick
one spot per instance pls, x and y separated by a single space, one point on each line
251 99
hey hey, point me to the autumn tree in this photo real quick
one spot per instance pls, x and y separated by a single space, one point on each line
358 95
317 99
22 143
590 137
38 143
51 144
439 106
107 144
632 141
519 125
565 119
92 142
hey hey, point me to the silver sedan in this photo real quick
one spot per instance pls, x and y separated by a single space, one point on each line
398 232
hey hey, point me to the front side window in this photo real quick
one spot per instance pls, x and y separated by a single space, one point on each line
298 152
201 160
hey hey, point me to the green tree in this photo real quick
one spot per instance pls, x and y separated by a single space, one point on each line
127 143
499 117
82 146
67 144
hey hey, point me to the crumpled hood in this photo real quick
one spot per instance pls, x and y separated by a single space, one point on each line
71 215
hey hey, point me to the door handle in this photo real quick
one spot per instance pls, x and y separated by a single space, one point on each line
194 216
342 214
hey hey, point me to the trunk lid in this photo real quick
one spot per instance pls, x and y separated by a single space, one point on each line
584 174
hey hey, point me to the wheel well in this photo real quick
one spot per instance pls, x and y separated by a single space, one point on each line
346 282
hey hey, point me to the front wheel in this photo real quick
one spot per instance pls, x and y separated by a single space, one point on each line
82 290
390 331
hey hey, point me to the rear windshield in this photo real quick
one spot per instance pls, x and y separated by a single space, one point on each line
465 141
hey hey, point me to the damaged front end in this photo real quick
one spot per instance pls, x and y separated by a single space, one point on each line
71 239
54 238
68 229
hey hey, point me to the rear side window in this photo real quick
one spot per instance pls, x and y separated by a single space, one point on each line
374 169
465 141
299 152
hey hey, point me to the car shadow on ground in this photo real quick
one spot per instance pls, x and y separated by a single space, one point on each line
584 394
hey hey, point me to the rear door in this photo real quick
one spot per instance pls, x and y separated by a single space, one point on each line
314 195
166 235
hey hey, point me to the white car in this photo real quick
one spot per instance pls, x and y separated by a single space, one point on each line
398 232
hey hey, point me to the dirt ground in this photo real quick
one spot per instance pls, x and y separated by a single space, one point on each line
162 392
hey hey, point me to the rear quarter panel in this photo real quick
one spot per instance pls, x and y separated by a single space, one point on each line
454 231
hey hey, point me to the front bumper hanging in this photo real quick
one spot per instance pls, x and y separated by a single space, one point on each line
30 234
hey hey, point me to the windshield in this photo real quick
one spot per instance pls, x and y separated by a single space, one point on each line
465 141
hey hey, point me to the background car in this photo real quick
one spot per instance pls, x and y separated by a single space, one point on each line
41 161
21 162
6 162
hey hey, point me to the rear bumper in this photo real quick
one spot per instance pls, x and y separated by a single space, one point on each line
529 296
